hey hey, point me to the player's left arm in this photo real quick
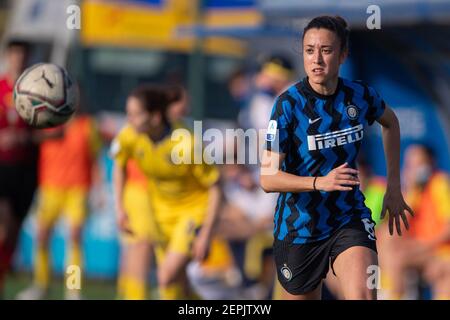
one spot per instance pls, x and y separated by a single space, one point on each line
393 201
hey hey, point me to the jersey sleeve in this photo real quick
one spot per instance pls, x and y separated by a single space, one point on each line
376 106
278 132
121 147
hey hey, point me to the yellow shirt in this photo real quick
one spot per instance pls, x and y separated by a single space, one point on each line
431 210
175 189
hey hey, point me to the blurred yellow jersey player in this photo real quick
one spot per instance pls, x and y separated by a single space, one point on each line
184 197
66 165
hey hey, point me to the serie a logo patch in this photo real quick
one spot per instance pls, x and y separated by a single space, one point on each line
271 130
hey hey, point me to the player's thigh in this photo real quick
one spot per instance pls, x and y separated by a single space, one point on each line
353 267
177 252
333 285
140 217
354 259
183 235
49 208
75 210
139 253
172 268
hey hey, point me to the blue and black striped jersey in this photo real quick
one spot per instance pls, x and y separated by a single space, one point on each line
319 133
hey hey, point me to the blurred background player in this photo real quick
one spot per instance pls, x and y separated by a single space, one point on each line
18 158
184 197
137 241
424 253
67 167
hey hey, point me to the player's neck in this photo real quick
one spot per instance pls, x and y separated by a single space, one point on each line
326 89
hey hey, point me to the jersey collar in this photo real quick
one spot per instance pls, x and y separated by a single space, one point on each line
319 95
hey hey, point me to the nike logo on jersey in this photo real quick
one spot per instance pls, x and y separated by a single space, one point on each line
313 121
335 138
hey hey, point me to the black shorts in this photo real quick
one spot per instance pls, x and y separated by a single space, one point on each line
302 267
17 186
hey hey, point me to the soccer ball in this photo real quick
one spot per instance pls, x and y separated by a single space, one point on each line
45 96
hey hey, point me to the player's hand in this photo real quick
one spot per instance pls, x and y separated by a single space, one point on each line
201 244
342 178
394 203
122 222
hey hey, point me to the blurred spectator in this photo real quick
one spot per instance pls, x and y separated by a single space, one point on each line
275 75
18 158
67 167
424 251
239 86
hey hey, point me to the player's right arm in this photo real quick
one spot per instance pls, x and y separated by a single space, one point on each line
273 179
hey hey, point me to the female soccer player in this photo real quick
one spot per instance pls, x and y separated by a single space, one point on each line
313 139
184 197
141 231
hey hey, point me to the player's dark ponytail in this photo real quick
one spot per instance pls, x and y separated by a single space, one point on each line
153 98
335 24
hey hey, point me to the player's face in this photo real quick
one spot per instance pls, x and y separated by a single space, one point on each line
137 116
417 165
415 157
322 55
